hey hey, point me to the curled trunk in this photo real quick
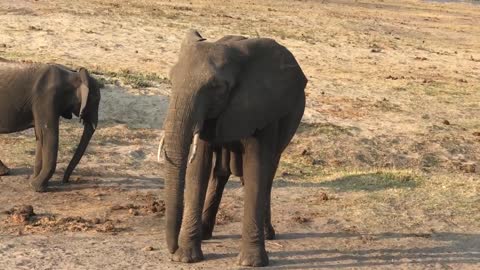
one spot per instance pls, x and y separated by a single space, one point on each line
88 131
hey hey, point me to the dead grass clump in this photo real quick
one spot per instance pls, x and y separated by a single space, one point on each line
324 129
20 214
301 219
28 221
322 196
131 78
150 207
51 223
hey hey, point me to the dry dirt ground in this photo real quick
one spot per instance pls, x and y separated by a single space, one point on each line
382 174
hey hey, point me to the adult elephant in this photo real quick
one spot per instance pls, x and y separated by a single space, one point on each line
36 95
238 97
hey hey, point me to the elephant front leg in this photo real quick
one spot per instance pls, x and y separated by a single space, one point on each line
4 170
255 173
49 148
190 238
38 153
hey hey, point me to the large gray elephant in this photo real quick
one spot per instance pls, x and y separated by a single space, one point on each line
236 97
36 95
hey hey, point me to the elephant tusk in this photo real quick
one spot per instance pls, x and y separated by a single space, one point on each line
160 148
194 150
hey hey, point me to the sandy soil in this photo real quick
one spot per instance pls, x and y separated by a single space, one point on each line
383 172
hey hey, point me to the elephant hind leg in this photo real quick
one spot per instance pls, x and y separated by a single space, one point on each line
215 189
257 168
236 164
269 230
286 129
4 170
216 185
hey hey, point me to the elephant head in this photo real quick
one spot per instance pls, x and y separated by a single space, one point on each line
222 92
83 102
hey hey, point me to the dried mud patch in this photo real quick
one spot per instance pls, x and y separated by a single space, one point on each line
23 220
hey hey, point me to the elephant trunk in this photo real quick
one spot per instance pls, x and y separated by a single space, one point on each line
88 130
179 128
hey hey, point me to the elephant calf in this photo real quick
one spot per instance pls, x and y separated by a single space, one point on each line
236 97
36 95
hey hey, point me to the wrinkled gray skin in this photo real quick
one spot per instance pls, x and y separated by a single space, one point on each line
36 95
245 98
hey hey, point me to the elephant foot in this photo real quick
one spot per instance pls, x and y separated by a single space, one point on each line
188 255
38 186
255 257
269 232
4 170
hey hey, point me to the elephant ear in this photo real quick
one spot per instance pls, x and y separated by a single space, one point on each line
268 84
191 37
83 89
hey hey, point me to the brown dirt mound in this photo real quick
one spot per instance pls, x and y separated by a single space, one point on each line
71 224
150 207
20 214
24 219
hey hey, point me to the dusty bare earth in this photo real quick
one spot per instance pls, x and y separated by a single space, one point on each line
383 172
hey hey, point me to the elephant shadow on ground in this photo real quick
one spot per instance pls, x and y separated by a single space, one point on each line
124 181
353 182
447 248
356 182
20 171
337 250
90 180
370 181
442 248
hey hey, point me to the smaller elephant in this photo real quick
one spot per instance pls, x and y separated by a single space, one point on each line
36 95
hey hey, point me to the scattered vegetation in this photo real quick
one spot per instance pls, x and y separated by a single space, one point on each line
133 79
